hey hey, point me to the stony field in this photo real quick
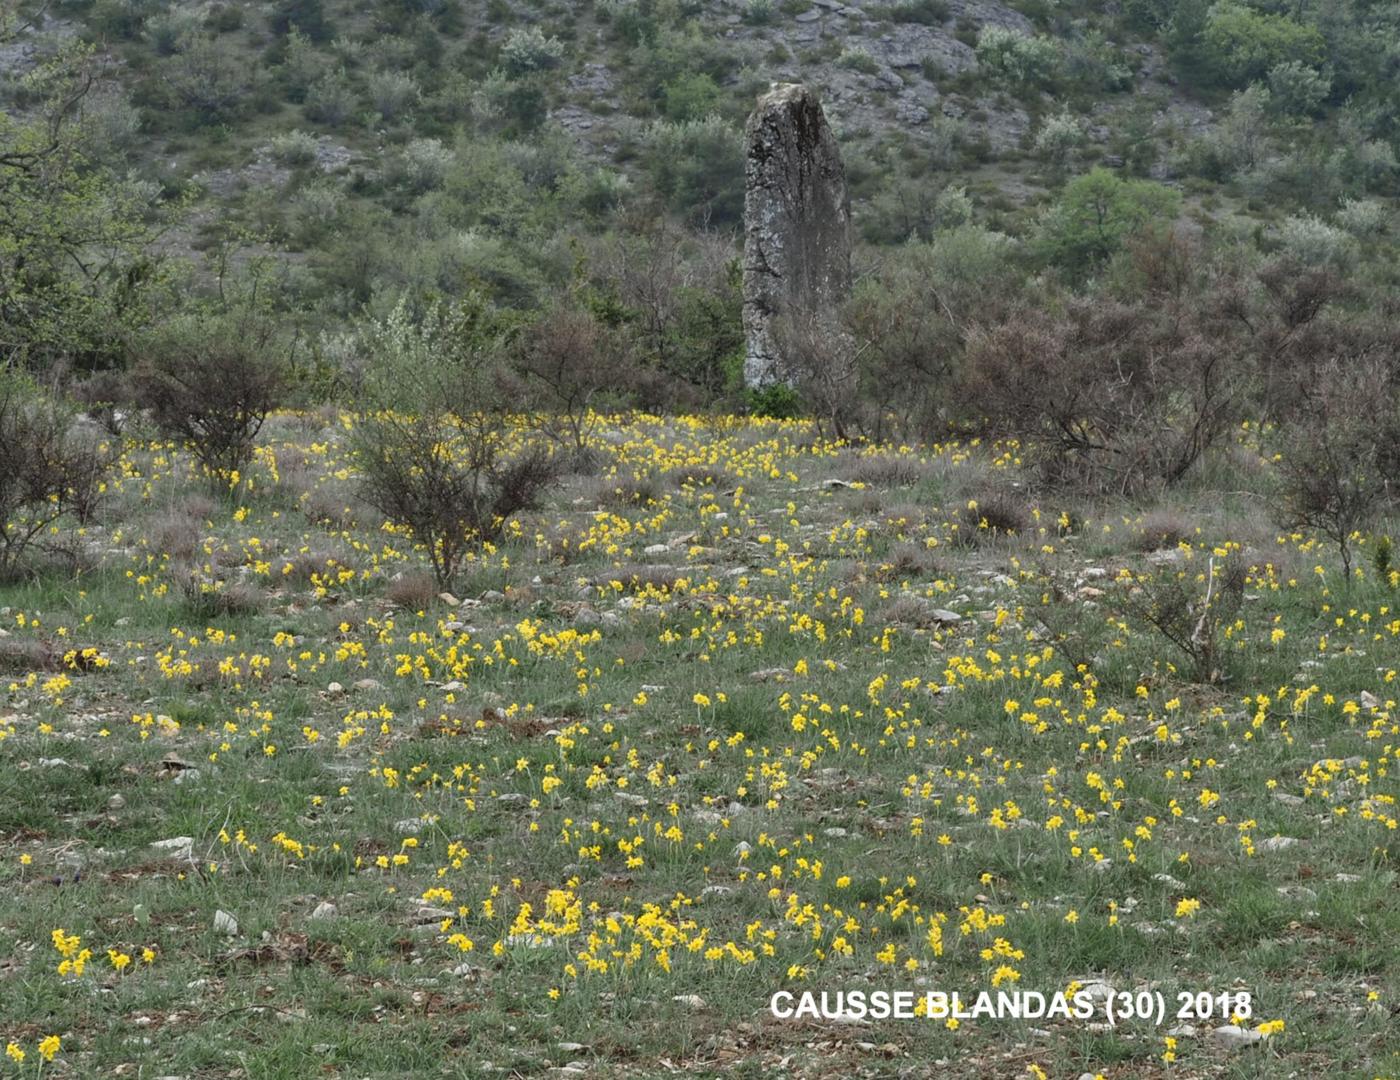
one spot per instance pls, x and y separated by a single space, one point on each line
740 711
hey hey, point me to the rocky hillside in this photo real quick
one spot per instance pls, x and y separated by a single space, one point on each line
434 144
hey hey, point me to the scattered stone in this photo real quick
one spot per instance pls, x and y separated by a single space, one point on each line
178 847
335 689
448 599
691 1001
225 923
408 827
116 802
1277 843
325 910
1234 1037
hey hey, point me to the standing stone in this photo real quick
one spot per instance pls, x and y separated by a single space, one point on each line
797 215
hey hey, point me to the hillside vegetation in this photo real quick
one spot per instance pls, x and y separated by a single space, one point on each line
536 154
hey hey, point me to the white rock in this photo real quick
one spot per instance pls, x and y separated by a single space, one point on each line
1233 1037
178 847
692 1001
225 923
408 827
116 802
325 910
335 689
1277 843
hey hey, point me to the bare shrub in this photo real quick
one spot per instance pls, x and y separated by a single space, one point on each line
693 476
438 454
1161 530
212 383
207 596
105 396
886 470
819 363
47 470
575 361
907 561
1188 614
627 490
1339 454
412 591
176 534
994 516
1110 398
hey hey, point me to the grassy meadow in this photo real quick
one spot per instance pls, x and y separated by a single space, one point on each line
739 710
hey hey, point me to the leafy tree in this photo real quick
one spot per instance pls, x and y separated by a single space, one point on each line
1096 213
307 17
1019 59
698 166
75 276
1243 44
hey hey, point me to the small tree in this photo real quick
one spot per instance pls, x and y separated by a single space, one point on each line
575 359
47 469
1335 462
436 450
1188 609
211 381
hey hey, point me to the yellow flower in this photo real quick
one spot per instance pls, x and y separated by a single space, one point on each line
1186 907
14 1052
50 1046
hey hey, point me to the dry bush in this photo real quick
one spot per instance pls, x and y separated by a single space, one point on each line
332 508
626 490
212 383
48 470
1109 396
106 397
1161 529
412 591
994 516
1189 616
1340 453
885 470
573 361
695 476
819 361
436 452
907 561
176 534
207 597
